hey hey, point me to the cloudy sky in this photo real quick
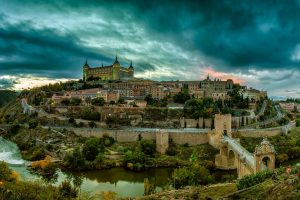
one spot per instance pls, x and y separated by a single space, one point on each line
254 42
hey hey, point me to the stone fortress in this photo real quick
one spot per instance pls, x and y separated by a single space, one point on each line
110 72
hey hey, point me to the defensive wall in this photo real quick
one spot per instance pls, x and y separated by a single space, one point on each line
192 137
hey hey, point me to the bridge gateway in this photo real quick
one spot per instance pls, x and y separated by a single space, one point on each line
233 156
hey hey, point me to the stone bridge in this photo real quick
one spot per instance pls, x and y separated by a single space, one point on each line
233 156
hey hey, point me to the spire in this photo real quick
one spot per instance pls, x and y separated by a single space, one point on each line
116 61
207 77
86 63
131 64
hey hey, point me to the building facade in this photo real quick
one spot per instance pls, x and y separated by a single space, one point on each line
110 72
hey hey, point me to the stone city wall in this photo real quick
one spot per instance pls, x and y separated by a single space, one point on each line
192 138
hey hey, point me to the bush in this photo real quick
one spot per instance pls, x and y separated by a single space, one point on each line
148 147
134 157
253 179
171 151
6 172
191 176
298 122
99 101
66 190
72 120
91 148
75 160
107 140
32 123
111 120
92 124
75 102
65 102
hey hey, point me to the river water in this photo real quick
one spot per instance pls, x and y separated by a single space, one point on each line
125 183
119 180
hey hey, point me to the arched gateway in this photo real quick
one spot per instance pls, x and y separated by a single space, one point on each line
234 156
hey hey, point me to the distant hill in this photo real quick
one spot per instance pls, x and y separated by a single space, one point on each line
6 96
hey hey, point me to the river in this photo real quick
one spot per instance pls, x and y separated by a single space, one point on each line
119 180
125 183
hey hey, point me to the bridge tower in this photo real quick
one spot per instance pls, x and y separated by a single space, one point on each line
222 125
264 156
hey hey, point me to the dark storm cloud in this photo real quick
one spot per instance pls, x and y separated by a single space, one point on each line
52 38
48 52
7 82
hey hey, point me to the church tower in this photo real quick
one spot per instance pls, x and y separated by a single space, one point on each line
86 68
116 69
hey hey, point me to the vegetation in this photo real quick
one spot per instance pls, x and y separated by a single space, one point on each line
181 97
6 96
155 102
280 142
191 176
99 101
253 179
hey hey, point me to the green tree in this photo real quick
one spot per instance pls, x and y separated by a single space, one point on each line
75 102
181 97
99 101
148 147
75 159
32 123
65 102
91 148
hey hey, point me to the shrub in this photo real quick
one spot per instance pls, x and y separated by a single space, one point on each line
72 120
298 122
32 123
75 160
75 102
148 147
191 176
91 148
171 151
134 157
99 101
253 179
65 102
92 124
6 172
66 190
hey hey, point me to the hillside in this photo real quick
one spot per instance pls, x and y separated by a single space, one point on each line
6 96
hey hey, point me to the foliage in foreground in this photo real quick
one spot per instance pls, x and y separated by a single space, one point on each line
191 176
253 179
11 188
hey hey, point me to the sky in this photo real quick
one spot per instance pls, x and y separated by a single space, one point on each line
256 43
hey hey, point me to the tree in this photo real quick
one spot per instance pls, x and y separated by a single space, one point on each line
75 102
92 124
32 123
121 101
111 120
65 102
75 159
148 147
88 100
181 97
99 101
91 149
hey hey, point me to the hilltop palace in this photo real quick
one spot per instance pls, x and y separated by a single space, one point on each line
110 72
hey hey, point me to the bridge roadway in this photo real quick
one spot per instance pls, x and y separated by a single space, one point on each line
241 151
